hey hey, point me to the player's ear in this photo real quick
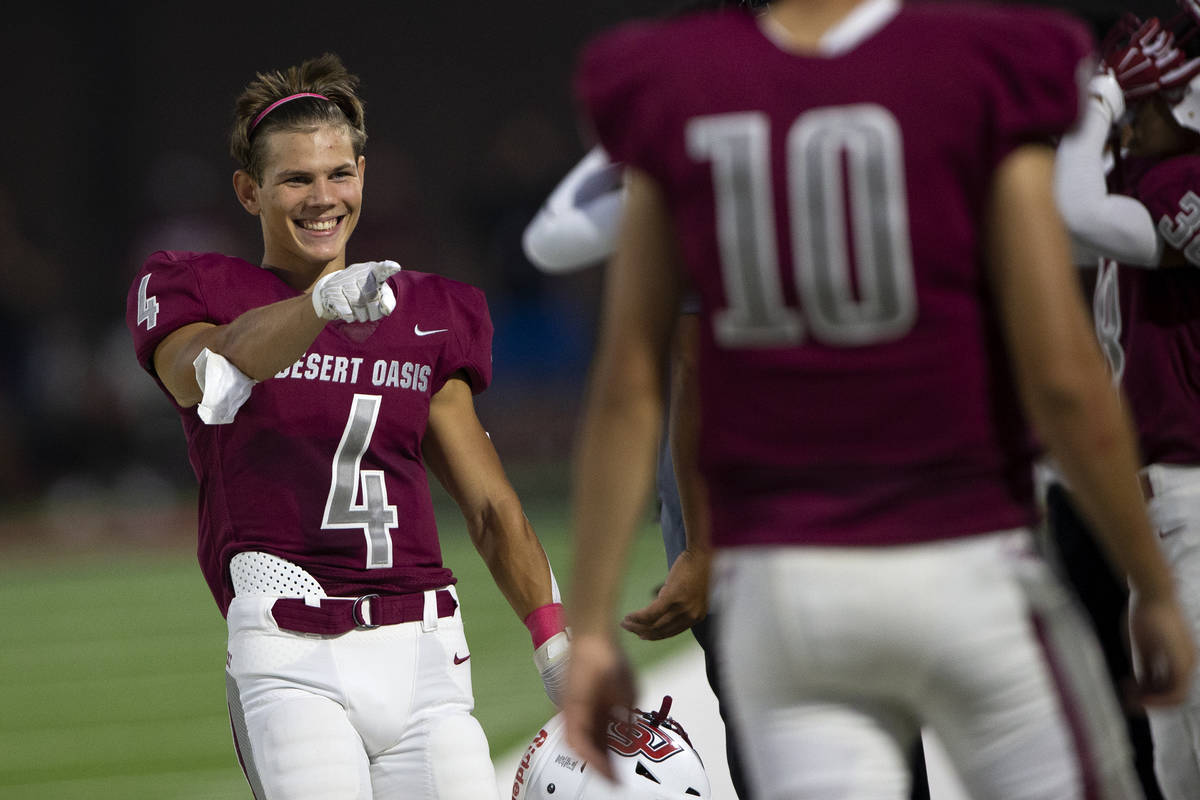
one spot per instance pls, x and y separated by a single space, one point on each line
246 189
362 168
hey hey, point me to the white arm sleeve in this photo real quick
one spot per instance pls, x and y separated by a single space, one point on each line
577 225
1101 224
226 388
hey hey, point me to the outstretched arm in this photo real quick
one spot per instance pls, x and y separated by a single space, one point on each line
260 343
614 464
264 340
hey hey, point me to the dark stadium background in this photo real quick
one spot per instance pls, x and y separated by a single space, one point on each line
114 145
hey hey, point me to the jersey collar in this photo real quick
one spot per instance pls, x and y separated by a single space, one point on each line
858 26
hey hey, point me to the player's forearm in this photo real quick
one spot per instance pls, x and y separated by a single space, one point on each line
1058 367
260 343
514 557
614 470
265 340
1090 436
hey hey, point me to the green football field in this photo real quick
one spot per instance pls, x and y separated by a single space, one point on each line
111 671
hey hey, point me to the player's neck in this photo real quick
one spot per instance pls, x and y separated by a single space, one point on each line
800 24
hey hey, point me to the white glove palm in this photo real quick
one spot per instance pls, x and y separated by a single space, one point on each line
358 293
551 661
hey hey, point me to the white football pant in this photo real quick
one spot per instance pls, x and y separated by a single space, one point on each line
370 714
1175 511
836 657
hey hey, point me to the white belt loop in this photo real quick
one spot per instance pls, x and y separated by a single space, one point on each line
430 620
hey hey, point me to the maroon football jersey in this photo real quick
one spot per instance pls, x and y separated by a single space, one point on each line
854 383
322 465
1162 307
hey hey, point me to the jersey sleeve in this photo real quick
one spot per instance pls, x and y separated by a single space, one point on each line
1034 64
1169 191
470 350
165 295
616 93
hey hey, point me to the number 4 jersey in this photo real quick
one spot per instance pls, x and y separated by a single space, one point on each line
829 208
322 466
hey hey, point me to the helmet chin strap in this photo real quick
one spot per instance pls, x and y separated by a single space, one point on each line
657 718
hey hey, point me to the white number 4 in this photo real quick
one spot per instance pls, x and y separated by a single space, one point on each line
147 306
369 511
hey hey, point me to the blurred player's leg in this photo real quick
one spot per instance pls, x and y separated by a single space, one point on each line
817 741
674 541
920 773
939 634
705 633
1104 598
791 686
1025 706
1175 510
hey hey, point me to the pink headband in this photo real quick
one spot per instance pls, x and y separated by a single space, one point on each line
280 102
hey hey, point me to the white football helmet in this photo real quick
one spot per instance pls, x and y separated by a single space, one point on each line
654 761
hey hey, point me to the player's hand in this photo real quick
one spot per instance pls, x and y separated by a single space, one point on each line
599 690
552 659
1150 63
1164 654
358 293
1106 91
681 602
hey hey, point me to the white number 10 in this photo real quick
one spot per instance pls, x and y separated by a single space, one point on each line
846 188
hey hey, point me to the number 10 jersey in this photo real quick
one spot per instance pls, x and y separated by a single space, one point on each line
829 208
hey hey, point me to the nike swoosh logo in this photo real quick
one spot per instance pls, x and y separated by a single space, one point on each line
417 330
458 660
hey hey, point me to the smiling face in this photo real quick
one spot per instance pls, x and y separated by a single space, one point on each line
308 202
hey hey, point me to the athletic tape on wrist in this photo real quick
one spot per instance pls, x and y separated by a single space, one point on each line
544 622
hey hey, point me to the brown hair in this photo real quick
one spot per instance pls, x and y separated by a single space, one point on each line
324 75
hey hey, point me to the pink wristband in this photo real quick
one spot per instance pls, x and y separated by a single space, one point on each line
545 621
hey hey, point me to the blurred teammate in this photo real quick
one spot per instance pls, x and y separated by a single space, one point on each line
861 195
574 229
1138 226
314 396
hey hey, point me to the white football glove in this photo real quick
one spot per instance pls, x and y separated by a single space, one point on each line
1104 89
358 293
551 662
